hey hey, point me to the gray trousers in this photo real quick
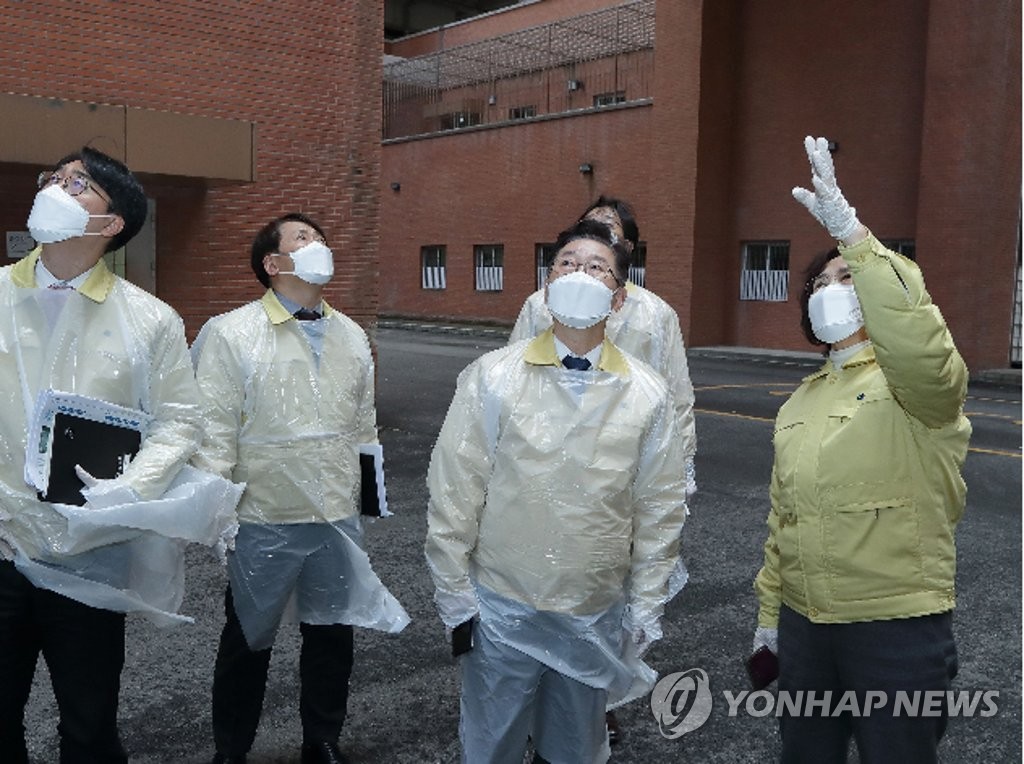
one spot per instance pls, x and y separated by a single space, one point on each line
508 697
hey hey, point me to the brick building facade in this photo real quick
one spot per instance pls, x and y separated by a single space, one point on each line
295 84
234 114
922 98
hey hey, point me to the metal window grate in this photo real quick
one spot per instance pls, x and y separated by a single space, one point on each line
765 273
543 254
638 268
432 267
489 272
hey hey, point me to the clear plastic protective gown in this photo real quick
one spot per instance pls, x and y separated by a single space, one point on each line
109 340
290 428
556 503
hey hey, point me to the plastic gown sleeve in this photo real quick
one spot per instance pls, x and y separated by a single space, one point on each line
912 344
659 494
174 433
677 373
457 483
220 381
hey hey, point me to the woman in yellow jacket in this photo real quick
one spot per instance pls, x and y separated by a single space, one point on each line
857 589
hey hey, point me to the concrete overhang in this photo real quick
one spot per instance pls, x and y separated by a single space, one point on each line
38 131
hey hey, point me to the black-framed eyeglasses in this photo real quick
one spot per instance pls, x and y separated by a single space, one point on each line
596 267
76 183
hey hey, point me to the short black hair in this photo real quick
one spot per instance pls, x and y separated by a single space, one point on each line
268 239
625 213
595 231
127 199
811 272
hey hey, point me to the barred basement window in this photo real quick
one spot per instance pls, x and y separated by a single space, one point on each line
544 253
765 273
432 267
489 271
607 99
638 268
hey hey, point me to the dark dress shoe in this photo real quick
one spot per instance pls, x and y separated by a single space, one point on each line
221 758
614 730
324 752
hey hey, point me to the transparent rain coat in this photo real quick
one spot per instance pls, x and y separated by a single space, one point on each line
290 428
648 328
556 503
111 341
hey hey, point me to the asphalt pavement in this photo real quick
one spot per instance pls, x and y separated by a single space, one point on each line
404 694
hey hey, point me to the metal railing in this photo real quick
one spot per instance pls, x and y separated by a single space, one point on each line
591 61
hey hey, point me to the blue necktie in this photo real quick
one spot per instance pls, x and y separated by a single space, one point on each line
574 362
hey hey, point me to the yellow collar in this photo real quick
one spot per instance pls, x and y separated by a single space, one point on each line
277 313
96 287
541 352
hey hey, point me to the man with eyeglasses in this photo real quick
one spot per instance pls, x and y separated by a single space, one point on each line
288 390
70 325
556 501
647 327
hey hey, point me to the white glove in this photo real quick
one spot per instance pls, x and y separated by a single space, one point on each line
826 202
690 469
102 493
225 543
643 630
765 637
640 641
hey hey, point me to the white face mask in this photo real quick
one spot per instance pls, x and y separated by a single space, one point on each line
579 300
56 216
314 263
835 313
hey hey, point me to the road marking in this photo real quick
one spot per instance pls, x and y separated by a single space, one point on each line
734 414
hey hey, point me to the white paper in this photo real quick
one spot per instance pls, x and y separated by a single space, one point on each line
51 402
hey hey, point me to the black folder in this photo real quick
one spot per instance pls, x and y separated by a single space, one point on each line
102 449
369 504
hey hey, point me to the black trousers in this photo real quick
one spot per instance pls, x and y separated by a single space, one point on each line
84 650
903 654
240 680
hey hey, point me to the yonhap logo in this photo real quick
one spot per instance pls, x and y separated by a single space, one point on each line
681 702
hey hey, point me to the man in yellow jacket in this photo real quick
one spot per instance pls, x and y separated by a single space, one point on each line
288 390
556 500
857 588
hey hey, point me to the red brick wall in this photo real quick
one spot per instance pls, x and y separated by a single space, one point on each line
516 186
970 172
493 24
923 98
852 72
307 74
